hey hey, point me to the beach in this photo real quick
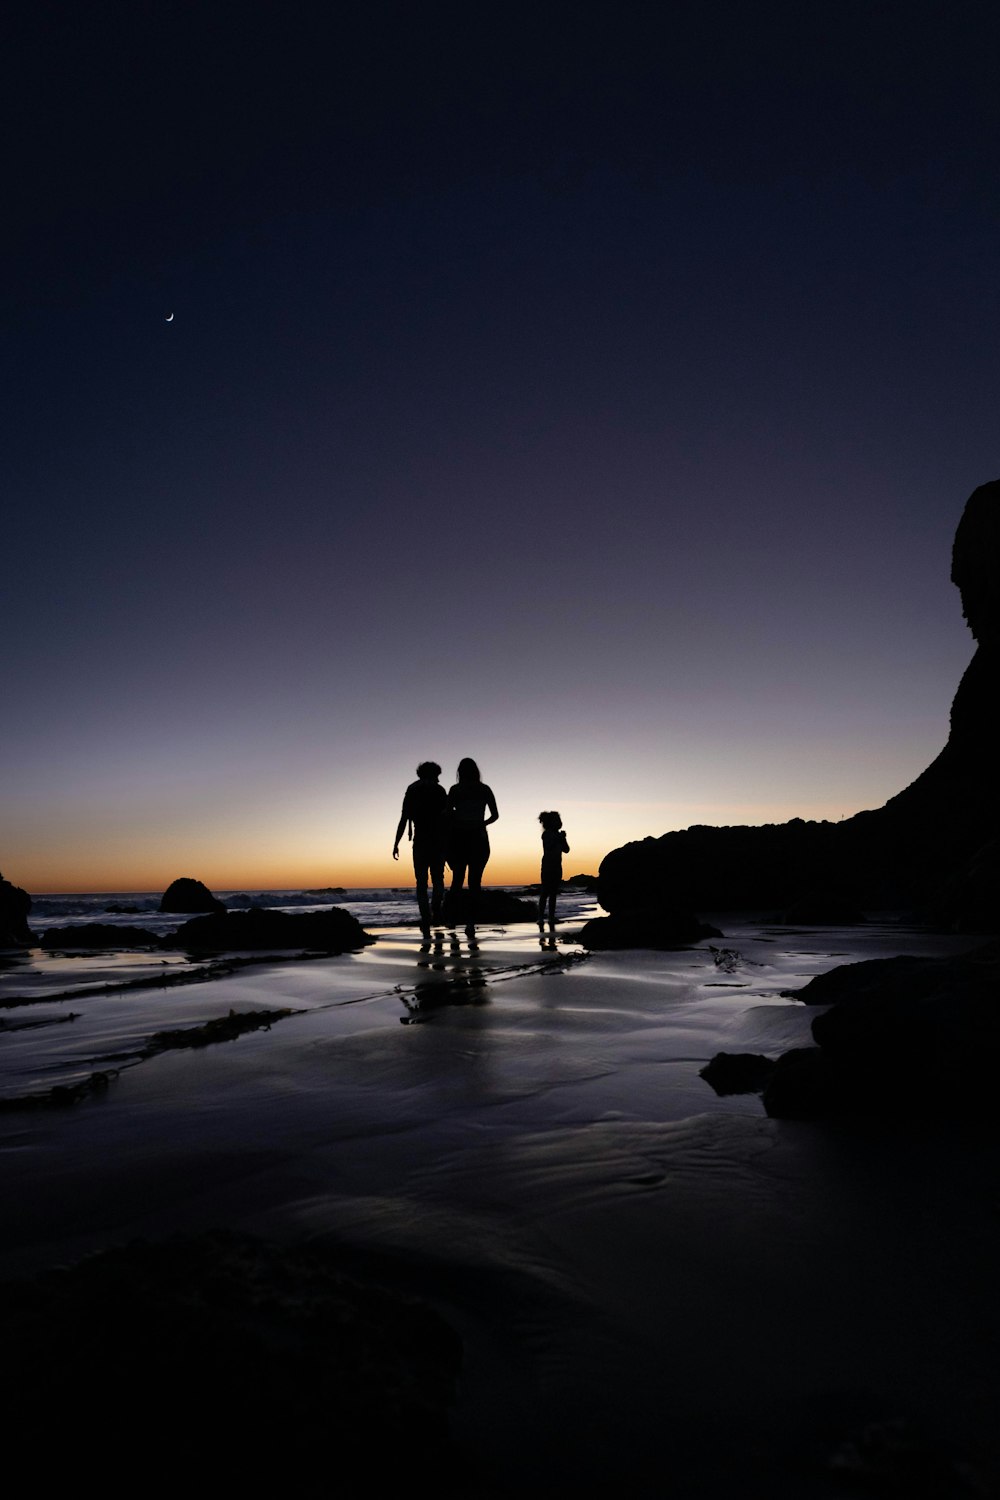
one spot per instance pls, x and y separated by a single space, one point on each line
658 1290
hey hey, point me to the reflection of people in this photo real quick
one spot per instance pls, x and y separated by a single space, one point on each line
425 807
468 801
554 846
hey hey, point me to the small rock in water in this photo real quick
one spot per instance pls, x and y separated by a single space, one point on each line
737 1072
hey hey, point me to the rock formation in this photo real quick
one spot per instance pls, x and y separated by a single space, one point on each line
15 905
933 848
738 1072
98 935
492 906
646 927
903 1036
249 1367
187 895
333 931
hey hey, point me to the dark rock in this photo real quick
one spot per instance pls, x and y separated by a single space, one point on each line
906 979
932 848
492 906
333 931
902 1036
729 960
737 1072
257 1368
186 895
805 1086
15 904
584 882
99 935
646 928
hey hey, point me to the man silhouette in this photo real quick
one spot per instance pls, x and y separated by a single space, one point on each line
425 806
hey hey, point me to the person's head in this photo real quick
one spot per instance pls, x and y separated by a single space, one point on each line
468 770
428 770
550 820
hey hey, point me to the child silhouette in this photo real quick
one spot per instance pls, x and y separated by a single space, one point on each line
554 846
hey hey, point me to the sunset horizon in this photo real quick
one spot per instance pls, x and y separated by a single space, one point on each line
507 866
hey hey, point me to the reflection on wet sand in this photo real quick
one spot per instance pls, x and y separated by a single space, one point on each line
658 1290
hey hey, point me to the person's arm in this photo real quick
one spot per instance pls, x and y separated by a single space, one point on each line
403 819
565 845
491 803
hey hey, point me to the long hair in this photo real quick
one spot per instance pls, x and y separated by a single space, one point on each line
468 770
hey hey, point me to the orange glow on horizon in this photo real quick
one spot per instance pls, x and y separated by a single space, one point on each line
377 875
88 859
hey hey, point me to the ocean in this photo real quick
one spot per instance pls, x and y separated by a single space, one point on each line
372 906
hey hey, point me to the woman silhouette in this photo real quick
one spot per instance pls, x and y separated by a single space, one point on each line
468 802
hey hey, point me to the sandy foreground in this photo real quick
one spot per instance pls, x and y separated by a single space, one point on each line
659 1291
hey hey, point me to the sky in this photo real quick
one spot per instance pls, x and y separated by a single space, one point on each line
592 390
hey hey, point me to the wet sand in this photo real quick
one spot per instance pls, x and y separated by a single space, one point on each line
659 1291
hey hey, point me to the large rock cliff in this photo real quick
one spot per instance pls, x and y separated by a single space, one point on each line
934 847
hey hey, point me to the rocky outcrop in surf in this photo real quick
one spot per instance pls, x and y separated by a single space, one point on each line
934 848
187 895
333 931
491 906
98 935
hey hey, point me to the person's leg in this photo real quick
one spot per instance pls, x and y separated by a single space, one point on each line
458 863
478 860
541 908
552 907
437 880
420 868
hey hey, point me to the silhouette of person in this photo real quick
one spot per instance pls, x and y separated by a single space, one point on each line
425 808
468 801
554 846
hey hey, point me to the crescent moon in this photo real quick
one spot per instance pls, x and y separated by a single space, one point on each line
169 318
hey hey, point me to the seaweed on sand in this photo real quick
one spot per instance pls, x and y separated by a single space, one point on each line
220 1029
5 1025
433 994
62 1095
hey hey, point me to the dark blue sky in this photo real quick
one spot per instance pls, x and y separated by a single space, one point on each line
591 390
